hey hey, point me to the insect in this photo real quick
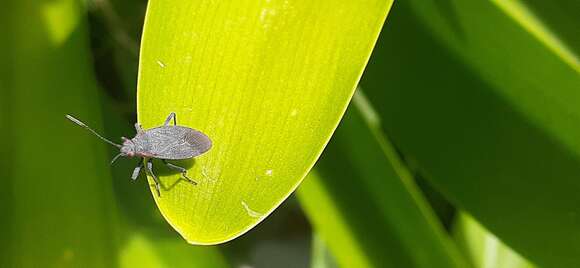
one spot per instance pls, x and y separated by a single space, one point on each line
167 142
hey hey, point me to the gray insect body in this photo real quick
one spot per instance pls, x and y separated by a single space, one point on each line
167 142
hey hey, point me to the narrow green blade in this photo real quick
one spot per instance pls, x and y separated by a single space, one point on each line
365 204
321 256
268 82
489 115
485 250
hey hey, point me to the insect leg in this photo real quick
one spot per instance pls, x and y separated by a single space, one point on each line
136 171
171 116
138 128
149 168
180 169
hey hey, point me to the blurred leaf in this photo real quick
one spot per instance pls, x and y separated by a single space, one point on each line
267 81
366 205
560 17
484 248
144 251
489 116
139 251
58 185
321 256
339 234
116 27
6 130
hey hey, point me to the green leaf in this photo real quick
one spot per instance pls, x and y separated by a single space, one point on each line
365 204
484 248
321 256
489 115
56 185
267 81
559 18
339 235
145 251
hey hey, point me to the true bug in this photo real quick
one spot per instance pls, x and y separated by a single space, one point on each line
167 142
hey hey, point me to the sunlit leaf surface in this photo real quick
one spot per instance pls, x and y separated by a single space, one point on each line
267 81
484 248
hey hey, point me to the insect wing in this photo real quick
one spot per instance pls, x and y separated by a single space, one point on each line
176 142
198 141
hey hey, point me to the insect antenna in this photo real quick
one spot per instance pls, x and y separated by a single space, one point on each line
78 122
115 158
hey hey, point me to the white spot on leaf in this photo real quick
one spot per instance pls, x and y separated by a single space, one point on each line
161 64
252 213
266 16
263 15
187 59
294 112
269 172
